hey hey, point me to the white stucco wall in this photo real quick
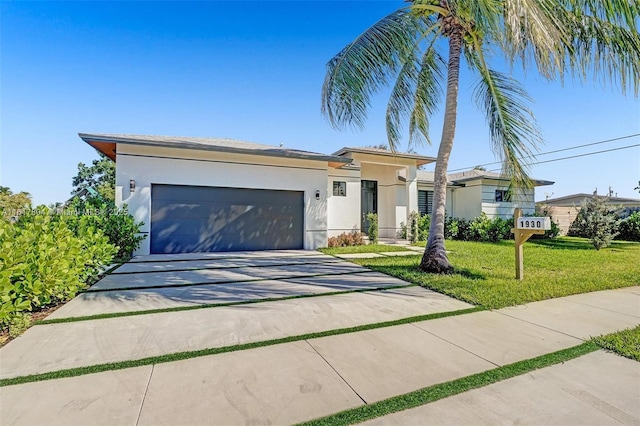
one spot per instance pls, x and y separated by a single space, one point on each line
467 201
343 213
147 166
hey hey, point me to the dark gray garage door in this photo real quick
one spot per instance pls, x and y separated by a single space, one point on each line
189 219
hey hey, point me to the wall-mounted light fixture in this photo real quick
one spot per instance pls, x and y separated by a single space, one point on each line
317 194
132 185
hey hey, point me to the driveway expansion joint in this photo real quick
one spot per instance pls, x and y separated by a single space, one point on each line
336 371
456 345
144 396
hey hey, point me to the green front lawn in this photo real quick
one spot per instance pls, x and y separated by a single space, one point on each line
552 268
625 343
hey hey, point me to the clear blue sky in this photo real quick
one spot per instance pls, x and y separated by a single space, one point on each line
250 71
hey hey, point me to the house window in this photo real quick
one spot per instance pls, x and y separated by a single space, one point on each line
340 188
502 195
425 202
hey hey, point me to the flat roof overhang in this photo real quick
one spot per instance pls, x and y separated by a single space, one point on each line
107 144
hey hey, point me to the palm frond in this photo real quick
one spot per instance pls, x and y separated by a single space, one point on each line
622 13
609 52
365 66
427 95
415 96
512 127
534 32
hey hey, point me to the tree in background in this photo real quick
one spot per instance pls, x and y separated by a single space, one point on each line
10 203
100 176
596 39
597 220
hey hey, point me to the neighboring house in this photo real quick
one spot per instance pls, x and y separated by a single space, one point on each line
564 210
471 193
206 194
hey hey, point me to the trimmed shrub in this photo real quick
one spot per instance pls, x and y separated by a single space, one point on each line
43 262
629 228
346 239
373 227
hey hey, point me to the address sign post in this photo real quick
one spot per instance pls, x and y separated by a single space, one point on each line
524 228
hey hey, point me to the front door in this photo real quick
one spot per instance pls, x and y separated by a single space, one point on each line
369 201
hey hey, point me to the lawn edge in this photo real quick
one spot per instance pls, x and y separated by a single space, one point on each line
178 356
443 390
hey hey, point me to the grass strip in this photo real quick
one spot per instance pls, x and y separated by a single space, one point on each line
178 356
625 343
454 387
333 260
294 277
211 305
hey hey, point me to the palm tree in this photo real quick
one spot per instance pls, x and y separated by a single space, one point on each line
578 38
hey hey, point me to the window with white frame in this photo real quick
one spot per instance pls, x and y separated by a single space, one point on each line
425 202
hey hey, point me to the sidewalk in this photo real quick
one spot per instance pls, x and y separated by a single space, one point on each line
302 380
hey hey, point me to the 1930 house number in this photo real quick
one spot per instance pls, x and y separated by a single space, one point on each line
534 223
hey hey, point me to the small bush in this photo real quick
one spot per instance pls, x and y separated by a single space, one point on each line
424 222
413 226
44 262
629 228
597 221
373 227
18 323
346 239
403 233
451 228
116 223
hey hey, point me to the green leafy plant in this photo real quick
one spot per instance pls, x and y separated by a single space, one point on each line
115 223
43 261
629 228
373 227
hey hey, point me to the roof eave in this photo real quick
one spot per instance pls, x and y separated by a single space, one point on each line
97 141
420 159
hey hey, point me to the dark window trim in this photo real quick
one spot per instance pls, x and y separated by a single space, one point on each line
339 188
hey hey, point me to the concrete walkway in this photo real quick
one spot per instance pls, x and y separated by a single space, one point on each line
306 379
597 389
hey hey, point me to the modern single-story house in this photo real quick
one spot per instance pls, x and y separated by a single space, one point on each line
563 210
207 194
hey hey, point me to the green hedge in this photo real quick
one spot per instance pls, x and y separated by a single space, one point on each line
479 229
44 261
629 228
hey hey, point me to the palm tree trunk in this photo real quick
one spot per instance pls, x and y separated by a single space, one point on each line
435 256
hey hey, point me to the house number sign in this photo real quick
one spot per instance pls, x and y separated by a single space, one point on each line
543 223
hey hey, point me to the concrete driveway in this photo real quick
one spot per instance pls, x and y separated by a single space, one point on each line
179 280
183 365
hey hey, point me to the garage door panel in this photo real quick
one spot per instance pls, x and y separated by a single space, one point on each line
202 219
